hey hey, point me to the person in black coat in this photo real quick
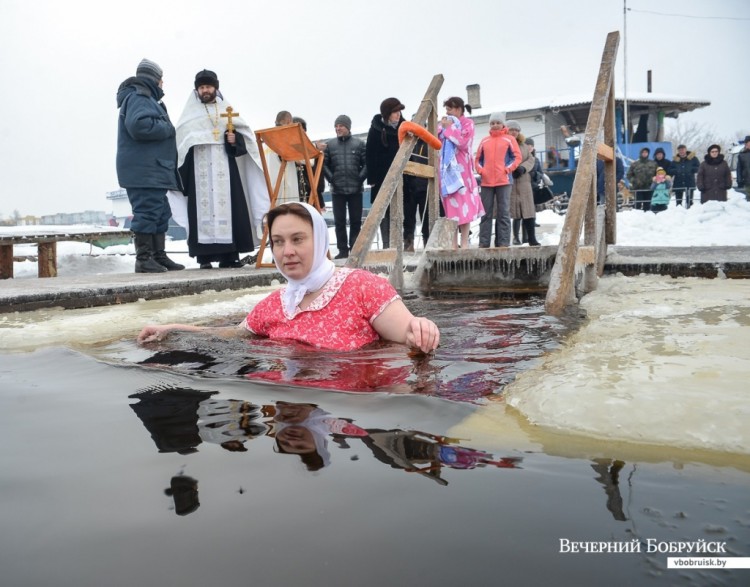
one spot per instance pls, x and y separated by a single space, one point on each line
714 176
684 167
381 149
346 170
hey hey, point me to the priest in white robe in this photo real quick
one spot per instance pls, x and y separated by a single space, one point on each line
225 195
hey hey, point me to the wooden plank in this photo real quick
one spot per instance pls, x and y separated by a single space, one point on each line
420 170
605 152
392 178
6 261
380 257
562 277
81 236
47 263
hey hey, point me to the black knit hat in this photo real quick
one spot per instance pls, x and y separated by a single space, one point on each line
206 78
149 69
389 106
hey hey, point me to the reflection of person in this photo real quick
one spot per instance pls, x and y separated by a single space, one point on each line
497 157
303 429
609 477
346 171
522 209
458 186
147 164
660 193
381 148
331 308
684 167
184 491
427 454
714 176
225 190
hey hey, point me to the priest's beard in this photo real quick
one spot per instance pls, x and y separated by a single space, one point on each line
208 97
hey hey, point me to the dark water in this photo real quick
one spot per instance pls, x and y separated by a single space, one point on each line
485 344
142 470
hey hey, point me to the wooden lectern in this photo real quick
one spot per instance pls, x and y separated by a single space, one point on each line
290 143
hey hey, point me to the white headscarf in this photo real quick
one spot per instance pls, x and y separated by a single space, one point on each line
322 267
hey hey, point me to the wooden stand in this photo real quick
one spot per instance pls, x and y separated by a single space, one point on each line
290 143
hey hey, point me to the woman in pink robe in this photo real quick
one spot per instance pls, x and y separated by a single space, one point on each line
463 204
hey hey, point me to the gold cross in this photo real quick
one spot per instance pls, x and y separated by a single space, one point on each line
229 115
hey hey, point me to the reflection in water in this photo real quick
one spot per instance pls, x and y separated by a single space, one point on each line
184 491
609 477
481 351
180 419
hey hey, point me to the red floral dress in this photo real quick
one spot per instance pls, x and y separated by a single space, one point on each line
340 318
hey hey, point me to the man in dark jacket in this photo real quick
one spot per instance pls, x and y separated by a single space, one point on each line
640 175
382 146
415 198
684 167
346 171
147 164
661 160
743 169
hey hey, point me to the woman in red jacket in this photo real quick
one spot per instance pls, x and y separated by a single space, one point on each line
497 156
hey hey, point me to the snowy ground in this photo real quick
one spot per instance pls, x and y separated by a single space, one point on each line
711 224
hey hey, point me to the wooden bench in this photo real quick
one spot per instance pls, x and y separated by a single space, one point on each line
46 240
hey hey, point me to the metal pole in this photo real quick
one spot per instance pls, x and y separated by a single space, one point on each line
625 71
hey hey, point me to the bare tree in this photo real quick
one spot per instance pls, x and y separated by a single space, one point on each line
698 136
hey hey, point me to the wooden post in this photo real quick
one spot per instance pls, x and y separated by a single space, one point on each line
6 261
47 259
394 176
396 276
563 272
610 171
433 185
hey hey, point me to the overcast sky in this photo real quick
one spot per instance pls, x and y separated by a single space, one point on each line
63 62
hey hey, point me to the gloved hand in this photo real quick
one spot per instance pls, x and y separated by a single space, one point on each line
518 172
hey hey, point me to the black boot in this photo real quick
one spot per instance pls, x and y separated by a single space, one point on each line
528 224
160 256
516 228
144 254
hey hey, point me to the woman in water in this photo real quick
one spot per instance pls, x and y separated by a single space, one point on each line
329 308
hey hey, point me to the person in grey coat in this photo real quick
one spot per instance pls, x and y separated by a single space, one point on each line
346 170
522 209
714 176
147 164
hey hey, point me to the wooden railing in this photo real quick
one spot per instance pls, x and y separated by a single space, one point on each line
393 185
599 224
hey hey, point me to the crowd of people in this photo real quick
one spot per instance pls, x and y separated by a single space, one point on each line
208 173
653 181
